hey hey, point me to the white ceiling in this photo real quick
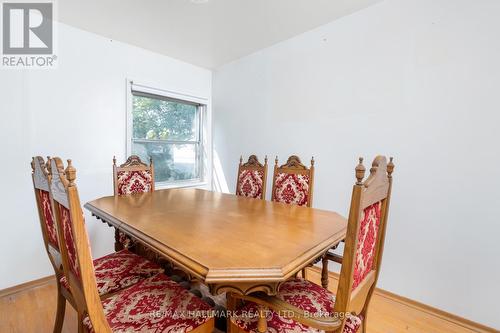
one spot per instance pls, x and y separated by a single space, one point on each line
206 34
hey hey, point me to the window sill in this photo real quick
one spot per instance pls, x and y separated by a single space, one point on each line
180 185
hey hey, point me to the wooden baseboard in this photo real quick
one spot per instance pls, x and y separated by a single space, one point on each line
26 286
466 323
417 306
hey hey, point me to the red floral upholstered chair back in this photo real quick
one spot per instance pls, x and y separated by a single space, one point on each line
74 243
252 178
133 176
365 237
293 182
41 181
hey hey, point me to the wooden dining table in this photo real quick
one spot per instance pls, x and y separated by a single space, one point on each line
230 243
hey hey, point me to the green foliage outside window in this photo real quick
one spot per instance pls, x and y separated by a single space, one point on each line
159 128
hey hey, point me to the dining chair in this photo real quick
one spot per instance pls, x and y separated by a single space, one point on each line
252 178
302 306
155 304
132 177
41 187
114 272
135 177
293 182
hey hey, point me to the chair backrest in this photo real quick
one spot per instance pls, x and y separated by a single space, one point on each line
252 178
74 244
133 176
41 181
293 182
365 237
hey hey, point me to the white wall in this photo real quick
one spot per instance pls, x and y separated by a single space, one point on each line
75 111
416 79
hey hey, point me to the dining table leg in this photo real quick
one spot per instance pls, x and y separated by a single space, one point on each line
118 244
324 272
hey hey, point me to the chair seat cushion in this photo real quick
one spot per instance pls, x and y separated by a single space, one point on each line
120 270
302 294
157 304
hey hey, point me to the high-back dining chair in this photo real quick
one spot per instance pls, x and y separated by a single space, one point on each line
41 186
293 182
147 306
252 178
133 176
114 271
302 306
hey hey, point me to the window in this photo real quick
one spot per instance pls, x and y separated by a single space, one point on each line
170 132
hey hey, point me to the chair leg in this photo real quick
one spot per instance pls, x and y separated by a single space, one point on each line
81 328
233 328
364 324
61 310
262 323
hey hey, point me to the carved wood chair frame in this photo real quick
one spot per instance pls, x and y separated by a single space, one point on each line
133 163
83 288
41 182
253 164
376 188
294 165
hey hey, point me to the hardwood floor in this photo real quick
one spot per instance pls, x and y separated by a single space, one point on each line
32 311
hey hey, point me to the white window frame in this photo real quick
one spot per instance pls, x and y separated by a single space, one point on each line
205 147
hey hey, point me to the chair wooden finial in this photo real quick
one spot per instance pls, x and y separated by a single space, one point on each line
265 160
114 160
150 161
360 172
312 161
390 167
48 166
70 173
276 160
241 159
